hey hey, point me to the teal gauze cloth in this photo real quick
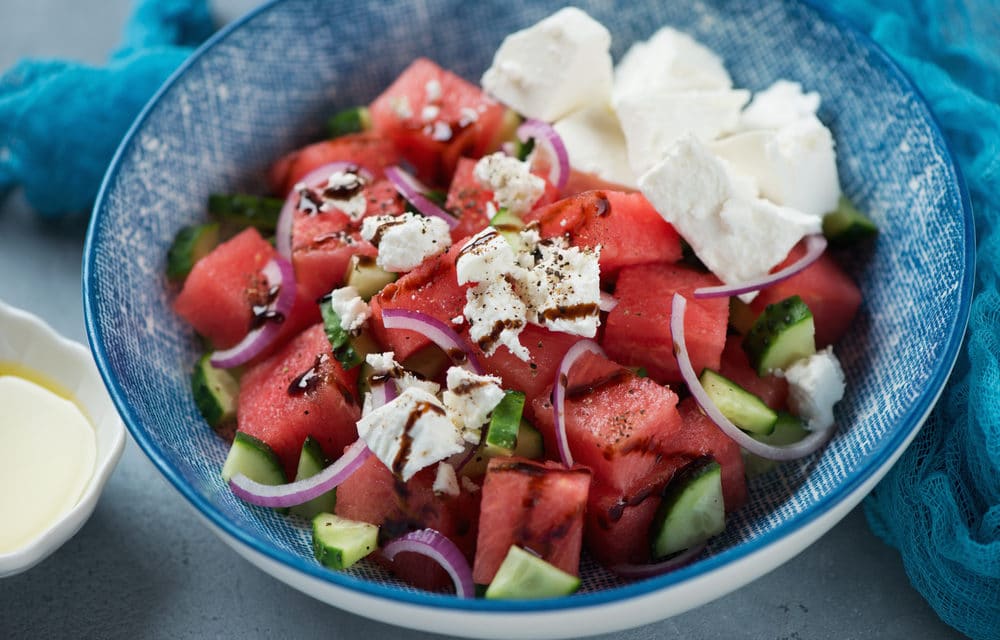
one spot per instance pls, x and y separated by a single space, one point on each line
61 121
940 505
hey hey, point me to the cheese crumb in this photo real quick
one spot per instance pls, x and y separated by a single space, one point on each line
514 187
486 256
496 317
350 308
563 289
406 240
469 400
815 385
446 482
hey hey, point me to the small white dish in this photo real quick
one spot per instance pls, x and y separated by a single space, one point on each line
28 342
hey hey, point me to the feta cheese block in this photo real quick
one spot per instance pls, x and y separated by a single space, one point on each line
815 385
446 480
406 240
496 317
673 61
595 143
782 103
411 432
350 308
470 399
794 166
554 67
385 365
485 257
737 236
563 289
513 185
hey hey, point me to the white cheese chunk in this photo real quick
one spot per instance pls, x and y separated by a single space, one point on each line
406 240
670 60
469 399
446 481
563 289
595 143
487 256
384 364
815 385
514 187
794 166
410 433
780 104
737 236
556 66
496 317
350 308
469 485
654 120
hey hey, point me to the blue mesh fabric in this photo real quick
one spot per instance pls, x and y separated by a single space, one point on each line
940 504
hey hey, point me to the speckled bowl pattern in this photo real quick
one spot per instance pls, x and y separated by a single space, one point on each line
27 341
266 84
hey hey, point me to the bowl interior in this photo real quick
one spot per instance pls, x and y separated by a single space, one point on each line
266 86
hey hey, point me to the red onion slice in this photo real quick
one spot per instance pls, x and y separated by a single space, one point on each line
314 179
546 138
280 275
607 301
438 332
656 568
559 394
800 449
293 493
815 245
430 543
411 189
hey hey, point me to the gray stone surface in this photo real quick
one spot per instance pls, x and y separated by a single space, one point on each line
145 566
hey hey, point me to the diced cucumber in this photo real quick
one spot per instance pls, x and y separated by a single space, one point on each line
338 542
254 459
367 277
353 120
243 210
191 244
505 421
692 510
846 225
783 333
348 348
525 576
529 444
744 409
215 392
509 226
311 461
788 429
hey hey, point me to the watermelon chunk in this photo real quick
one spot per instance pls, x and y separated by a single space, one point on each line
300 391
637 331
467 199
536 506
700 437
220 292
463 121
371 151
826 289
373 494
626 225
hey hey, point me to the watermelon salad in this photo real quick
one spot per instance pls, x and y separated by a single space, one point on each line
481 330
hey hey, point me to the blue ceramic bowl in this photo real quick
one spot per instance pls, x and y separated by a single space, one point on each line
265 84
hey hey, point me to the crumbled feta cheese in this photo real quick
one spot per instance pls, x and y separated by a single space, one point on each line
401 107
563 289
514 187
737 236
350 308
496 317
406 240
815 384
794 166
410 433
384 364
671 60
485 257
554 67
595 143
433 90
467 116
469 485
429 112
469 400
441 132
459 319
780 104
446 482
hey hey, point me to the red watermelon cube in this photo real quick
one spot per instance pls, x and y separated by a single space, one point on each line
368 150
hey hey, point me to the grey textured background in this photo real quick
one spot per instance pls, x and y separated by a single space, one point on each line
145 567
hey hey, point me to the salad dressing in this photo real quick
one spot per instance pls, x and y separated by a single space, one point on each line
47 457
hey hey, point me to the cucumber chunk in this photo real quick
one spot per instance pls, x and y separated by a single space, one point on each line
744 409
528 444
338 542
243 210
788 429
191 244
509 226
311 461
505 421
524 576
353 120
367 277
215 392
254 459
692 510
783 333
846 225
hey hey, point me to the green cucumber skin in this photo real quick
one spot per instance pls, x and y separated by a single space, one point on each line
338 543
788 429
353 120
254 459
744 409
244 210
190 245
692 510
505 422
312 460
783 333
847 226
523 576
215 392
